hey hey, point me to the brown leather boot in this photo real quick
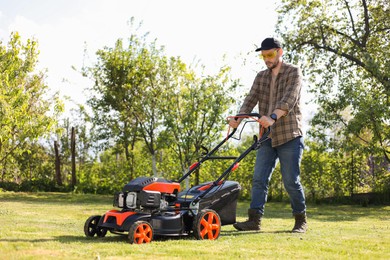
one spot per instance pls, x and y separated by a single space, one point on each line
253 222
300 223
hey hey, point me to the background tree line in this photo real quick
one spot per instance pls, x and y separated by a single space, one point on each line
148 114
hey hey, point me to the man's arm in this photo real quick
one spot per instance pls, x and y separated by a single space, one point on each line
267 121
249 103
293 91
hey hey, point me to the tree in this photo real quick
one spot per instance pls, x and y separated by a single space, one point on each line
26 114
112 99
344 47
156 72
195 115
127 99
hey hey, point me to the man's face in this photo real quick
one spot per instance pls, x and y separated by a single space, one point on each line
271 58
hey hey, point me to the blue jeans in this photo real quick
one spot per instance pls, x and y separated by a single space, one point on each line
289 155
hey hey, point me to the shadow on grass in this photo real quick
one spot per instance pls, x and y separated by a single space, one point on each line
70 239
244 233
56 198
88 240
323 212
116 239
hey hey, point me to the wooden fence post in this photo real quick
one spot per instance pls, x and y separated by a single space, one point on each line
73 151
57 164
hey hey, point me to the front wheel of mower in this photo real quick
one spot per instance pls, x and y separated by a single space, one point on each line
207 225
140 232
91 226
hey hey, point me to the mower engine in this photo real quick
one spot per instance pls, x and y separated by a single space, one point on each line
145 194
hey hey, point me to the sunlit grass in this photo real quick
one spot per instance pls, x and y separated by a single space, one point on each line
50 226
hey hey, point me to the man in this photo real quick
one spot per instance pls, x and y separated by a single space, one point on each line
276 91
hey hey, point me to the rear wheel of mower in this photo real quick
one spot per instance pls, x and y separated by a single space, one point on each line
207 225
91 226
140 232
101 232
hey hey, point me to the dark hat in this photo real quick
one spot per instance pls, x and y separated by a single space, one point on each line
269 43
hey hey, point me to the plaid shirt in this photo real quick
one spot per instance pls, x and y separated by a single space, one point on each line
286 97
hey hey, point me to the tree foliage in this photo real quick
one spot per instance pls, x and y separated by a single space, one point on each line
344 47
128 96
26 112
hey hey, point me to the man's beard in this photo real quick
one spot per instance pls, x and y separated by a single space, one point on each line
273 65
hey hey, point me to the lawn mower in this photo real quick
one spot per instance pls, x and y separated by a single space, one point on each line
151 207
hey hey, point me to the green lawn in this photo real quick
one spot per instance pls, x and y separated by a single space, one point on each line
50 226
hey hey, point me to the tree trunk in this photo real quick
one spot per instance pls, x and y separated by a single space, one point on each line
57 164
352 175
73 152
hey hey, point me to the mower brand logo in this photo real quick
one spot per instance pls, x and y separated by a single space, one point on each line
186 196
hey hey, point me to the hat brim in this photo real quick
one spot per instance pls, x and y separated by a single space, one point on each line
266 49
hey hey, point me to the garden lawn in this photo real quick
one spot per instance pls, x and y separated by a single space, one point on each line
50 226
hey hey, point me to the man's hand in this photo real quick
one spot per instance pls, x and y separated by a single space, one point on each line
266 121
234 123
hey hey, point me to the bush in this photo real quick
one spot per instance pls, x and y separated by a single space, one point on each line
41 185
9 186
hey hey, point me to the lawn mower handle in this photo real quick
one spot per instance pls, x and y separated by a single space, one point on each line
206 157
208 154
249 115
255 146
246 115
